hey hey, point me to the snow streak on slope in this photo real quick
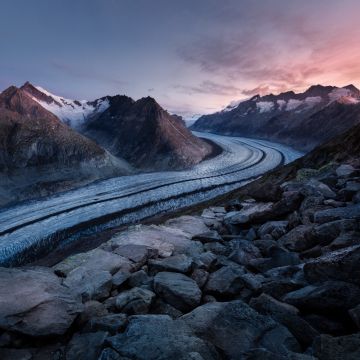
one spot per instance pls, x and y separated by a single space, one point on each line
71 112
27 229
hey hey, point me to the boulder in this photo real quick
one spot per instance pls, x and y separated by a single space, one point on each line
225 281
345 170
348 212
161 307
85 346
287 315
36 296
120 278
178 263
193 225
135 301
178 290
345 240
314 188
112 323
209 236
275 228
298 239
90 285
110 354
217 249
97 259
235 327
342 264
244 251
337 348
137 253
248 213
200 276
330 295
158 337
139 278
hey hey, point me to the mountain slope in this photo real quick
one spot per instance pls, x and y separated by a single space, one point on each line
145 135
302 120
38 150
140 131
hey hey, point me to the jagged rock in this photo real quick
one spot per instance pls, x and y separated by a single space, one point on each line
264 246
278 257
85 346
345 170
217 249
342 264
247 213
344 240
209 236
161 307
225 281
139 278
178 290
178 263
235 327
200 276
251 235
36 296
355 315
111 323
206 260
298 239
137 253
287 315
135 301
158 337
325 233
91 309
90 285
275 228
326 324
348 212
334 203
94 260
337 348
120 277
314 188
330 295
244 251
253 282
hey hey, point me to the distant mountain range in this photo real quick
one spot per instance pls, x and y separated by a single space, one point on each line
49 143
301 120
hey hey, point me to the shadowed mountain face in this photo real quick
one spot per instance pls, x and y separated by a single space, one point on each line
145 135
301 120
37 149
139 131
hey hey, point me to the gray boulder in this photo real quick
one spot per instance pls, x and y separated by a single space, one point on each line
209 236
90 285
158 337
345 170
287 315
348 212
178 263
178 290
135 301
225 281
136 253
330 295
275 228
298 239
234 327
342 264
111 323
36 296
85 346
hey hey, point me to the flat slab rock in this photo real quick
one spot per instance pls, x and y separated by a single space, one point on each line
37 297
166 240
158 337
247 213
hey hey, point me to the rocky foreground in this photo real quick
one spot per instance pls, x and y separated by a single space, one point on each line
250 280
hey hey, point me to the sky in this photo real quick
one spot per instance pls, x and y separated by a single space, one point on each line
193 56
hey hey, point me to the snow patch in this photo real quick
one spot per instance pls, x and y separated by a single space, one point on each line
293 104
265 106
338 93
72 112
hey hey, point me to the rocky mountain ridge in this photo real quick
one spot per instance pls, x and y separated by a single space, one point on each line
301 120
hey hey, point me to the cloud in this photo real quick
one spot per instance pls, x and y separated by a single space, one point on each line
209 87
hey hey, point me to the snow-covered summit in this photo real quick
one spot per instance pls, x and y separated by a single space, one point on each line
72 112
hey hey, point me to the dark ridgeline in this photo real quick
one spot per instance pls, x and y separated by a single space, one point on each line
301 120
